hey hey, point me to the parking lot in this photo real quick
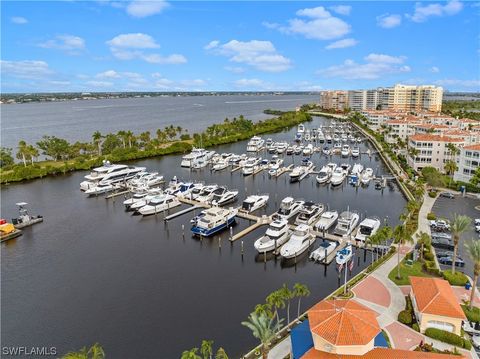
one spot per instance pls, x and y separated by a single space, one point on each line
447 208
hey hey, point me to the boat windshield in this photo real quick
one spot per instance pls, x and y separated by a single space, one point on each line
299 233
366 230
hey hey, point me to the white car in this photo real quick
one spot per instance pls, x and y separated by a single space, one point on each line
476 341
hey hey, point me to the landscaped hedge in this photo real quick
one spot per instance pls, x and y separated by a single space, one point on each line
430 268
473 314
405 317
431 216
448 337
458 278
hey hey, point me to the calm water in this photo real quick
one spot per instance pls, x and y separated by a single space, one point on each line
78 120
93 273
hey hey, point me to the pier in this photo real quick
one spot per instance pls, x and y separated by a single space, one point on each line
179 213
282 170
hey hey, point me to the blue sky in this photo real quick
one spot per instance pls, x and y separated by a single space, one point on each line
271 46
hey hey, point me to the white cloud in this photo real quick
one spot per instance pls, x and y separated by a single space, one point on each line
235 69
133 41
319 25
375 66
341 9
26 69
341 44
434 69
110 74
211 45
173 59
261 55
71 44
388 21
422 13
457 83
18 20
140 8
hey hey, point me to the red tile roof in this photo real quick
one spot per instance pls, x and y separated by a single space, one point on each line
379 353
432 138
473 147
435 296
343 322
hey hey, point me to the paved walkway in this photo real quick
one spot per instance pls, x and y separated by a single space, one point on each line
372 290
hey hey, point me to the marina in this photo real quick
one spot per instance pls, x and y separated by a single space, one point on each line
128 255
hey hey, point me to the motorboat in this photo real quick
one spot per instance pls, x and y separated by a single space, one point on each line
159 204
310 213
254 202
220 165
251 165
189 159
355 152
224 198
327 220
347 221
326 151
337 148
320 136
214 220
343 256
368 227
338 176
289 208
308 150
136 197
139 203
100 188
290 150
344 137
328 138
109 173
345 151
273 148
300 172
332 166
357 169
281 147
366 176
301 128
277 235
24 219
351 138
306 135
321 253
275 163
298 150
255 144
198 163
324 175
8 231
206 194
188 188
269 142
299 242
336 138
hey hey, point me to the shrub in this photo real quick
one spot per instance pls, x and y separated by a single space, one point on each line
431 216
466 344
428 256
405 317
445 337
416 327
473 314
455 279
431 268
432 194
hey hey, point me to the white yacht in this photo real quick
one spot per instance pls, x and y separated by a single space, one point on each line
345 151
251 165
141 196
344 256
322 252
328 138
159 204
337 148
300 172
187 188
327 220
189 159
366 176
195 192
355 152
254 202
206 194
221 199
338 176
347 221
276 236
100 188
255 144
346 168
213 220
289 208
109 173
308 150
220 165
357 169
274 165
324 175
368 227
320 136
281 147
299 242
310 213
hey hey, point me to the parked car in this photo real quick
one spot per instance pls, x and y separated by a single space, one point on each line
444 243
476 341
477 228
477 221
448 261
471 328
441 254
440 225
447 195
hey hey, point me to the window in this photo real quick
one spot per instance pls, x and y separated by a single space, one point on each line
441 325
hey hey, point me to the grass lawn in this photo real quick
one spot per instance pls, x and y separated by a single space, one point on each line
405 271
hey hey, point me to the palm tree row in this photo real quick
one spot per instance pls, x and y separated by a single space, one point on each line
206 352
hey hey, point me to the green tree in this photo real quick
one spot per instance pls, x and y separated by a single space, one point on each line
22 152
161 136
473 250
475 180
206 349
276 301
300 290
97 140
263 328
401 236
111 143
221 354
123 137
288 295
424 240
130 137
459 225
6 158
54 147
94 352
144 137
190 354
32 152
450 168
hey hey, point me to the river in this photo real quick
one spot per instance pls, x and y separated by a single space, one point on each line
93 273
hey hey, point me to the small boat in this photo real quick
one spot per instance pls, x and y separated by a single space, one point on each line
338 176
324 175
135 207
289 151
300 172
337 148
136 197
289 208
355 152
309 213
367 228
195 191
322 252
298 150
254 202
275 163
8 231
345 151
255 144
281 147
276 236
346 168
308 150
344 256
269 142
214 220
224 198
326 151
159 204
347 221
206 193
24 219
299 242
320 136
220 165
187 188
251 165
327 220
328 138
357 169
366 176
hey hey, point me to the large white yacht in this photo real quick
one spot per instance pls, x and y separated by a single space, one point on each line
368 227
366 176
255 144
289 208
254 202
347 222
338 176
275 236
206 193
193 157
327 220
213 220
309 213
299 242
300 172
109 174
222 197
159 204
251 165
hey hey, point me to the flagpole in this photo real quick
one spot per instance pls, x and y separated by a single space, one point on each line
345 283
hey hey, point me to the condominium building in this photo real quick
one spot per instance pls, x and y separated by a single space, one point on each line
359 100
416 98
468 161
401 128
334 100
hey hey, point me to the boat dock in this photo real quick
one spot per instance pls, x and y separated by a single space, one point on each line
179 213
116 194
282 170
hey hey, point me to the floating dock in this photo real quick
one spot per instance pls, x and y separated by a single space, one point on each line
179 213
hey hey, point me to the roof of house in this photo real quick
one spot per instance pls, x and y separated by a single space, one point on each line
435 296
343 322
379 353
431 138
475 147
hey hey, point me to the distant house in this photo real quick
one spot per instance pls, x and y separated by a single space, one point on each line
435 305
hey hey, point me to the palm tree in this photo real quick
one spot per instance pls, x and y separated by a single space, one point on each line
22 152
300 290
97 139
191 354
424 240
287 295
453 150
401 236
32 152
450 168
221 354
94 352
375 239
459 225
206 349
276 301
263 328
123 135
473 250
130 138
